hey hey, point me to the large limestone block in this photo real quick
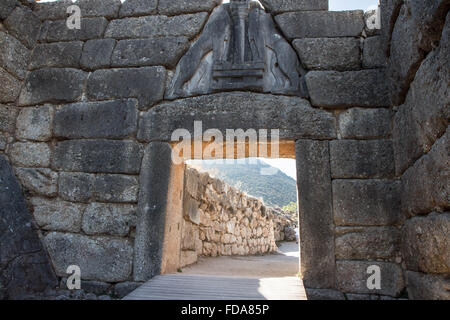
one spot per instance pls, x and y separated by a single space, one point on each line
58 55
321 24
358 123
91 28
109 219
332 89
293 116
112 119
367 243
99 258
14 56
317 228
35 123
145 84
280 6
187 25
352 277
425 186
366 202
89 8
56 215
104 156
174 7
341 54
52 85
427 286
426 243
165 51
361 159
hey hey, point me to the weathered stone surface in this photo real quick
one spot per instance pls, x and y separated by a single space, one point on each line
75 186
165 51
374 52
293 116
425 186
100 258
188 257
146 84
321 24
3 141
426 243
115 188
280 6
324 294
35 123
339 54
8 116
52 85
97 53
104 156
317 229
367 243
427 287
89 8
111 119
82 187
23 24
352 277
151 216
109 219
91 28
187 25
174 7
24 264
365 88
97 287
390 10
57 215
361 159
6 7
38 181
124 288
366 202
10 88
424 116
416 31
58 55
14 56
138 8
29 154
357 123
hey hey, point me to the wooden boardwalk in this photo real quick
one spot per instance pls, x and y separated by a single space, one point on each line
210 287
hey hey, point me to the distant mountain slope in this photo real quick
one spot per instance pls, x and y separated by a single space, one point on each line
276 190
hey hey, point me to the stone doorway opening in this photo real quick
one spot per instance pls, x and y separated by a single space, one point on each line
162 207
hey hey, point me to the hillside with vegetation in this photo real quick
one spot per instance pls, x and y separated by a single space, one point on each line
277 190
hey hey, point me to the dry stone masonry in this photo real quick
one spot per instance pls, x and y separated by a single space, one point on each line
222 221
86 118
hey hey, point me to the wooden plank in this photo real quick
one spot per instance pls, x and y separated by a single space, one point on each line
206 287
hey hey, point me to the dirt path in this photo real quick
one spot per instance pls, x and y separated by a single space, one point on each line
284 263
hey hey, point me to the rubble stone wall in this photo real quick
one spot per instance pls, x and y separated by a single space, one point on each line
220 220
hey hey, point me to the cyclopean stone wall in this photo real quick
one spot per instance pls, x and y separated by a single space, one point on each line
84 125
220 220
419 74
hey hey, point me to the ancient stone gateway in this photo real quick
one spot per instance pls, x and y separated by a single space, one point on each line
87 118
